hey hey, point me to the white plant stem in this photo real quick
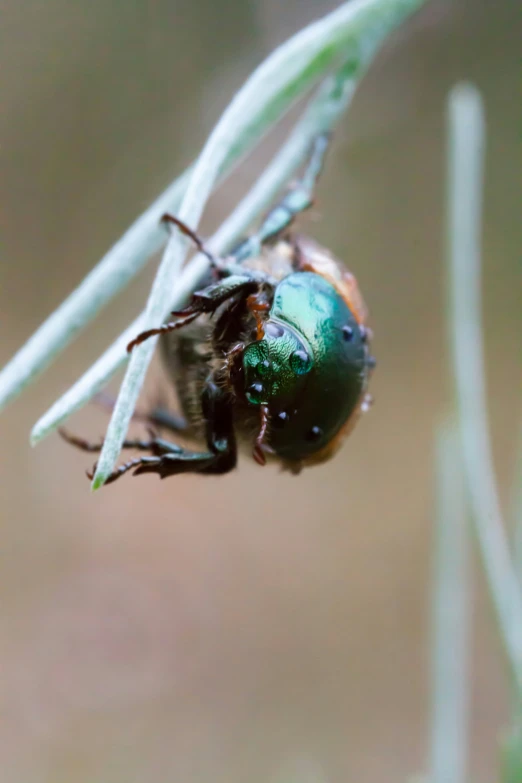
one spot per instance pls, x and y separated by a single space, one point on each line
465 187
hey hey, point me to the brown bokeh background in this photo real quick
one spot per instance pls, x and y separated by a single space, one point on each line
256 627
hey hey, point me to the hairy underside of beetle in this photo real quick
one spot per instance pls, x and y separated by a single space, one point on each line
206 347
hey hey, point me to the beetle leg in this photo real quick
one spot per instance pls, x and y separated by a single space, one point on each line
164 329
155 445
258 453
256 305
137 462
205 301
157 417
298 199
165 419
216 262
210 298
221 455
224 267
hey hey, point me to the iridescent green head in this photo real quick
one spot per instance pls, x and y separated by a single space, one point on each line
275 367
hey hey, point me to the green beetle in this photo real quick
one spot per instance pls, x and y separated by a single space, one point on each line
273 352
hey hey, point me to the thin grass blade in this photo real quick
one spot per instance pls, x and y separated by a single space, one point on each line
465 187
451 617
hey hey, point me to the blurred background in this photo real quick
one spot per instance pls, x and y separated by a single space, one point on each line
255 627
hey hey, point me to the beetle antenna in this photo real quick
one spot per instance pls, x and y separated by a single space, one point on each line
188 232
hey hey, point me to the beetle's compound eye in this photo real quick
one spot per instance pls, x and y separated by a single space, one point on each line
348 333
300 362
